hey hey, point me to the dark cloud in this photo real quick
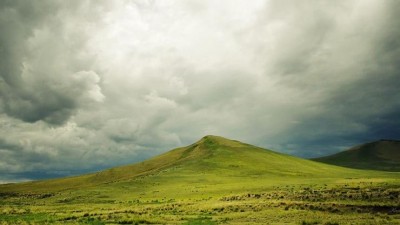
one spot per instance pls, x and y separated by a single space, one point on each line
43 73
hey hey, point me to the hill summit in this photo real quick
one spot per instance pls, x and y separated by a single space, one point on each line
212 159
377 155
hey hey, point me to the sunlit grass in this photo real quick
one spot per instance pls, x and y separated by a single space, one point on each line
213 181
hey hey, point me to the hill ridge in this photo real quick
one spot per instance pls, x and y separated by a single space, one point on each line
211 157
383 154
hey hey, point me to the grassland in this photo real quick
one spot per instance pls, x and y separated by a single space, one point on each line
378 155
214 181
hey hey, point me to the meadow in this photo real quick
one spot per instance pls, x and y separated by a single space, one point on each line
214 181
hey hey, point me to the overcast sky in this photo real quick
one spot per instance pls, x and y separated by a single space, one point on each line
86 85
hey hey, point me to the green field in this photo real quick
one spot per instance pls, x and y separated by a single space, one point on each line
213 181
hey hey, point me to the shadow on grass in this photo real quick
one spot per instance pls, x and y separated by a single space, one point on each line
200 221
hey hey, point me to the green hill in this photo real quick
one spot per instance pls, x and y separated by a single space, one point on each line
378 155
213 181
210 160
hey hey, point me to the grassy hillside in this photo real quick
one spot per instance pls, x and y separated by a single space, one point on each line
210 158
378 155
212 181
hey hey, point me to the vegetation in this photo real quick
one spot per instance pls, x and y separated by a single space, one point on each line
379 155
213 181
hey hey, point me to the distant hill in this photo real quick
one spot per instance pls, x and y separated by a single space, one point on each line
211 160
378 155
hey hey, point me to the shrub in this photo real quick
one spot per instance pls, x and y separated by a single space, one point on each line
309 222
331 223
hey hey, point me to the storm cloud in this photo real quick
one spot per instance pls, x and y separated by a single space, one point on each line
87 85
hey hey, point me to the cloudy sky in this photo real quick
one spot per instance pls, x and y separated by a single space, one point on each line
86 85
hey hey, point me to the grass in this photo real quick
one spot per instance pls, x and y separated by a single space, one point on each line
379 155
214 181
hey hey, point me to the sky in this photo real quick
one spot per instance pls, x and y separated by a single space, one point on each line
87 85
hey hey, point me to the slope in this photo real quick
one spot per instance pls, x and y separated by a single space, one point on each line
211 160
213 181
378 155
